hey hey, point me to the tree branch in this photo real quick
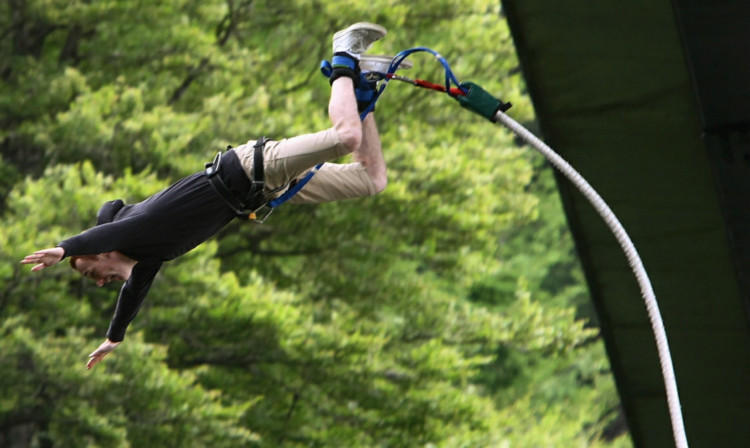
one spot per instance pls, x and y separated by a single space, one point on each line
224 30
192 76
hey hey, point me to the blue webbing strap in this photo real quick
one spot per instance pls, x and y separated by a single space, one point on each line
293 190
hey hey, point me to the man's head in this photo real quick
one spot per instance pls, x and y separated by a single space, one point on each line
103 268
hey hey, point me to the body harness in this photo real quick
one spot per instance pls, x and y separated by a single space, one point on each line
247 207
254 206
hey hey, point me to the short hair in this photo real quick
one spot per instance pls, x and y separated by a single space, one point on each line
73 260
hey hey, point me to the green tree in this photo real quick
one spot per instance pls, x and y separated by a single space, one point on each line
440 313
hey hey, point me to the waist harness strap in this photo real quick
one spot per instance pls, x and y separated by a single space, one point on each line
245 207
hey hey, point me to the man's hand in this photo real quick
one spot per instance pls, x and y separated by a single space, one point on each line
99 354
44 258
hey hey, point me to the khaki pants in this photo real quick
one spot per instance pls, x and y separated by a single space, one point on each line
288 159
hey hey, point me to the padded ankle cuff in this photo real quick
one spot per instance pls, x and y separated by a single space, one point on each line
345 60
338 72
344 64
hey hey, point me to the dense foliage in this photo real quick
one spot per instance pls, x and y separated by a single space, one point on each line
445 312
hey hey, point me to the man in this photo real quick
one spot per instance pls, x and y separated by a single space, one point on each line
130 242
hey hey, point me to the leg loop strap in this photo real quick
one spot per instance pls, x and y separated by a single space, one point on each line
246 207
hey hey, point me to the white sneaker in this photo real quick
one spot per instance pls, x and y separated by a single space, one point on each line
380 63
356 39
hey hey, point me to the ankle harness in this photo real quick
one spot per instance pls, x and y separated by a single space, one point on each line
247 207
344 64
365 84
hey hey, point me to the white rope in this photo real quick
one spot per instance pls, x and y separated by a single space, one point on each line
673 399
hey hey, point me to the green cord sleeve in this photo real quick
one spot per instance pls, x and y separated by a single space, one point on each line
479 101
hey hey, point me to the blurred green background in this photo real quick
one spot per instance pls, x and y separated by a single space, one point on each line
449 311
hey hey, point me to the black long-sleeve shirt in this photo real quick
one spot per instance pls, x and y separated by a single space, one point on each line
158 229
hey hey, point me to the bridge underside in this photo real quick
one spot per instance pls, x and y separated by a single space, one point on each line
650 101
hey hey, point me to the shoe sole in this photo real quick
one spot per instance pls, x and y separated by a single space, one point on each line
381 63
362 26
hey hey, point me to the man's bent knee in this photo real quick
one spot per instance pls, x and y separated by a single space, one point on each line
350 136
379 182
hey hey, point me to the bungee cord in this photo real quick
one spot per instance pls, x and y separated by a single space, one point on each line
474 98
634 260
471 96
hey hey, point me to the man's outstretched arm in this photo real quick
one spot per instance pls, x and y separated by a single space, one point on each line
44 258
132 294
99 354
47 257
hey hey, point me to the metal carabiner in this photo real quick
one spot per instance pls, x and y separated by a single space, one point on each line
264 210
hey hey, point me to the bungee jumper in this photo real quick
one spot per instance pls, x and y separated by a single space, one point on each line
130 242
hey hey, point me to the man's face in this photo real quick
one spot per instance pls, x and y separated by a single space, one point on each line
100 268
